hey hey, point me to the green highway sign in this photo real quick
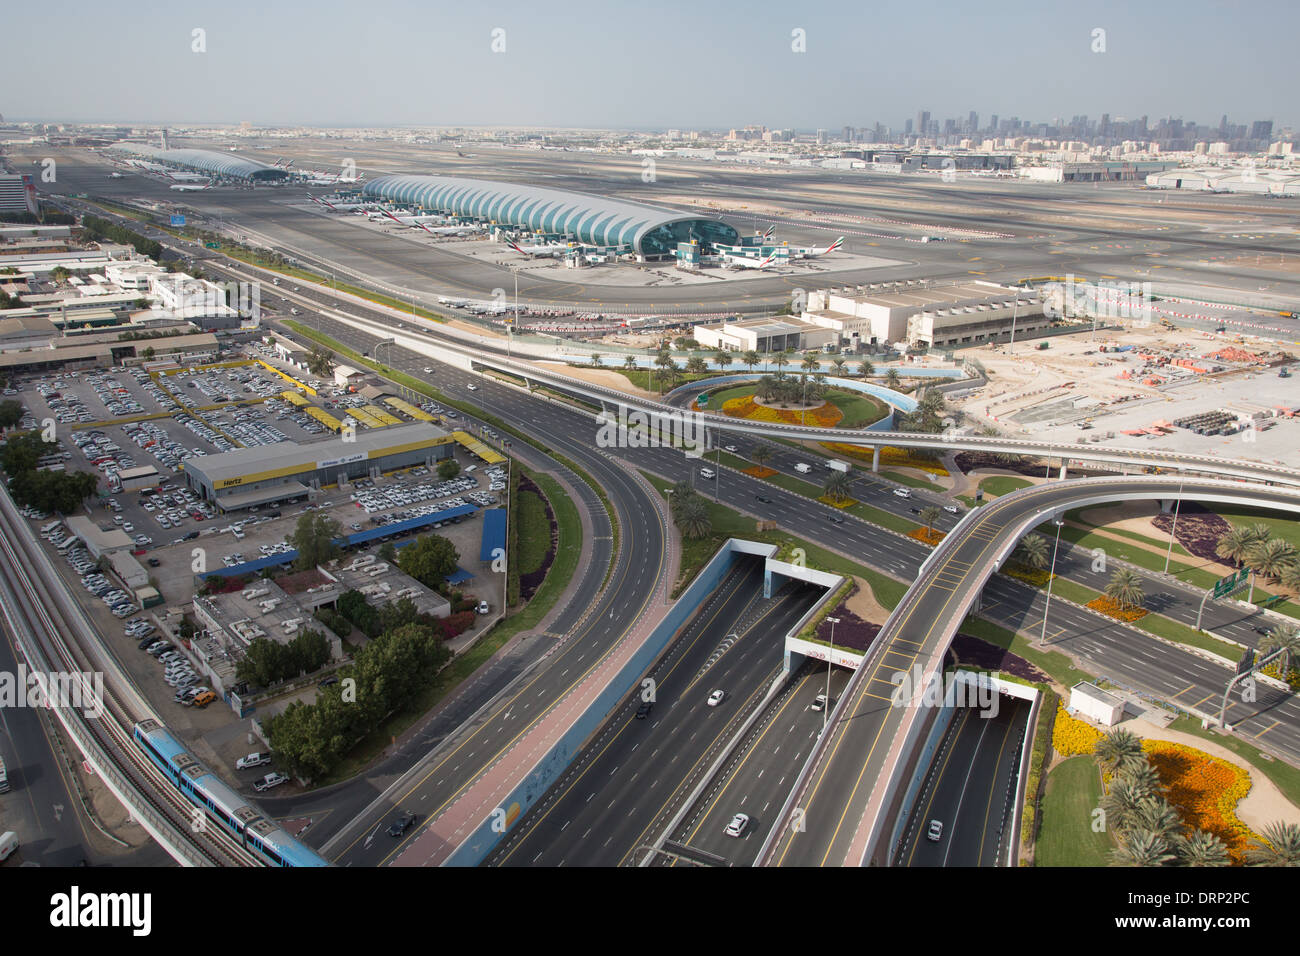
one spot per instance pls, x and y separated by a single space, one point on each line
1232 582
212 245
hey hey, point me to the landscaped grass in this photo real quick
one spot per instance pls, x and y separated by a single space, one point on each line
534 532
1284 528
912 481
652 380
1053 663
1065 834
729 523
997 485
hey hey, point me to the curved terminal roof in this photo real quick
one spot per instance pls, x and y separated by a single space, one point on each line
594 220
205 160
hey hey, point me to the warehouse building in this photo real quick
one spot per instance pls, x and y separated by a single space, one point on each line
287 471
918 314
1237 179
594 220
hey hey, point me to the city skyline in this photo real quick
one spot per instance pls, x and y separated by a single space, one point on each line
515 65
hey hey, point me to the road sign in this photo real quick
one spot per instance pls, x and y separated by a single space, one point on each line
1233 582
702 399
178 220
212 245
1247 662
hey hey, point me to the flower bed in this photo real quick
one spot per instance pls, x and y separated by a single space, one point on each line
759 471
928 536
975 652
1116 610
842 503
851 631
1035 577
1198 530
1204 790
825 415
1275 670
1071 736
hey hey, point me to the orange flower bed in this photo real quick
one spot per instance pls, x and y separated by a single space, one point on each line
931 536
1205 791
1114 609
759 471
846 503
825 415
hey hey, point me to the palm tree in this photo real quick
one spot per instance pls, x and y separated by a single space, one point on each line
320 361
722 358
1119 749
782 359
1125 589
1142 848
837 486
1290 576
629 363
750 358
1270 556
929 516
839 365
1284 638
761 455
1120 805
1142 778
1033 551
1155 815
1280 846
893 379
595 359
865 368
693 517
696 365
1233 544
811 363
1202 848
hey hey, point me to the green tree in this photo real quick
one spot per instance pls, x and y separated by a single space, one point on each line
429 560
313 537
692 517
761 455
929 515
148 353
1267 558
749 358
320 361
629 363
1120 805
388 552
839 365
1125 588
1155 815
595 359
1119 749
448 469
893 379
1142 848
865 368
811 364
722 358
1290 576
11 413
1280 846
399 613
1284 638
838 486
1033 552
696 365
1201 849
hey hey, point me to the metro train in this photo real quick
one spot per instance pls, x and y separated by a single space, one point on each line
226 808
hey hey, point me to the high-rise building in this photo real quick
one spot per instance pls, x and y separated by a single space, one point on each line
18 194
923 123
1261 129
973 122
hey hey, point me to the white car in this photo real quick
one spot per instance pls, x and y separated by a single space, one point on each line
902 492
716 698
737 825
935 833
428 370
269 781
472 387
951 509
252 760
819 703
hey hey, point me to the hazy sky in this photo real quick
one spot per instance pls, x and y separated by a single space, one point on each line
647 65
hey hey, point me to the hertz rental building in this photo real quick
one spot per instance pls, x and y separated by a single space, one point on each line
593 220
287 471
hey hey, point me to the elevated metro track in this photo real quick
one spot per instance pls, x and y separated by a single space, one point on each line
850 788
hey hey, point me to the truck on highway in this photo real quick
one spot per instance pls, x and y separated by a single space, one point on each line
837 465
802 467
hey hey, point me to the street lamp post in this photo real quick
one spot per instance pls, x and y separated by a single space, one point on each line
1015 307
1174 526
826 707
1042 638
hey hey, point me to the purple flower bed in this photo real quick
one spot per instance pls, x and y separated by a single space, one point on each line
1198 530
973 651
968 461
851 632
529 583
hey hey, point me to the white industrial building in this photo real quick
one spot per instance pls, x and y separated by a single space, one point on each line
919 314
1229 179
1090 701
764 335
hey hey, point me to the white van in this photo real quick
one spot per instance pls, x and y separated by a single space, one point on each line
902 492
803 468
707 473
8 844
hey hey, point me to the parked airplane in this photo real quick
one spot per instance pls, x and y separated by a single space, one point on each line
341 206
541 251
814 252
114 175
190 187
450 230
745 262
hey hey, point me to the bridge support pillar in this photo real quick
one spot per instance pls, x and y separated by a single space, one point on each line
875 460
1063 469
1167 505
767 585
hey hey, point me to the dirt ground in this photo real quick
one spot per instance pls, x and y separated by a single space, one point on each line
863 603
604 377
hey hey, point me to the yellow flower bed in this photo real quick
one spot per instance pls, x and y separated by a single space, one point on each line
1205 791
930 537
759 471
1275 670
825 415
1071 736
846 503
1031 576
1113 609
889 457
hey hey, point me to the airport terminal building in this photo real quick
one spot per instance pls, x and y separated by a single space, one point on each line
593 220
205 161
287 471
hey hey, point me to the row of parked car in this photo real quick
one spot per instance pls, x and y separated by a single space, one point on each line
400 496
177 670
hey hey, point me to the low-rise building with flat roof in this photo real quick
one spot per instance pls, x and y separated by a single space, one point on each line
763 335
